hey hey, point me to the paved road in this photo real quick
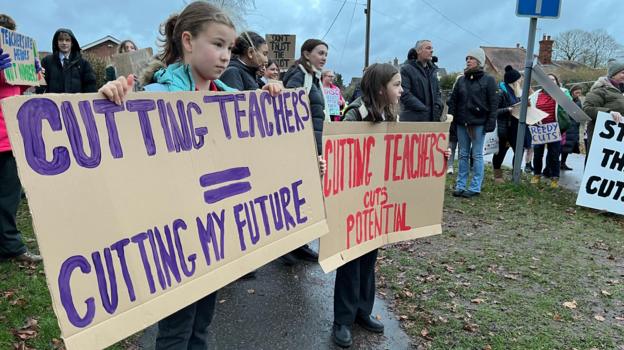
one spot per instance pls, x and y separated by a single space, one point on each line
286 308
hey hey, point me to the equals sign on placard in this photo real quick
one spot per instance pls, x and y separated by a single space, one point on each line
221 177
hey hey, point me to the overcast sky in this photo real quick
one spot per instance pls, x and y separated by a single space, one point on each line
454 26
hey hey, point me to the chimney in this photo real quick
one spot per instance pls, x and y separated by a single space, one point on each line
545 50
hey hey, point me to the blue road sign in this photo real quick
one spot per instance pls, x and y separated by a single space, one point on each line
538 8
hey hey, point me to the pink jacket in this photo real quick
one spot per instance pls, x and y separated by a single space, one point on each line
7 90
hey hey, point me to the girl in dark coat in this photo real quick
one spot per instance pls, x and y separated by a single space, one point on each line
306 73
354 292
250 53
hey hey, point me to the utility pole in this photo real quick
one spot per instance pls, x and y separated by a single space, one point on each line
368 14
528 69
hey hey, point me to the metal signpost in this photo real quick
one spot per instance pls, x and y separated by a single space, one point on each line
534 9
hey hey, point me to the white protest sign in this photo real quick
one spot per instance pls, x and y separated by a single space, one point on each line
490 144
603 180
332 99
545 133
533 116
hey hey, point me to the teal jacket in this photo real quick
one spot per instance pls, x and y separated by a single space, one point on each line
177 77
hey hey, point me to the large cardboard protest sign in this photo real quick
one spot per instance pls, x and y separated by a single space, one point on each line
143 208
542 134
282 49
132 62
603 180
23 51
384 184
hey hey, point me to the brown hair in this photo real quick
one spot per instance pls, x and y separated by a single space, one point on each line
192 19
308 46
576 87
246 41
556 79
7 22
123 45
376 78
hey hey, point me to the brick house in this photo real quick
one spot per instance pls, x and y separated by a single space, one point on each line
103 48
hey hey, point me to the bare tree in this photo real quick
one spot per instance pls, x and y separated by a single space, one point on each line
237 10
601 47
570 45
593 49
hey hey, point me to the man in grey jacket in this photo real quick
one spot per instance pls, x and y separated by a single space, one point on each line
421 100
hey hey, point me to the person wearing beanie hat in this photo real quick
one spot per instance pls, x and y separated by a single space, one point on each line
510 94
605 96
511 75
474 106
478 54
614 68
422 99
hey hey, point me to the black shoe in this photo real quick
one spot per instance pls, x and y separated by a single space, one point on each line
565 167
289 259
342 335
470 194
306 253
249 275
528 168
458 193
370 323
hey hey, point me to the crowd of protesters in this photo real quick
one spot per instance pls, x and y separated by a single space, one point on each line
202 51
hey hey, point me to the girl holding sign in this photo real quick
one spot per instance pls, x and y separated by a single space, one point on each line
196 50
556 115
306 73
11 245
354 292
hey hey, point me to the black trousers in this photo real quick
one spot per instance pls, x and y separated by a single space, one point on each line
10 194
553 163
507 135
354 291
187 328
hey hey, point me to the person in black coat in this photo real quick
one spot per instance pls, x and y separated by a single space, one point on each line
573 134
474 105
250 53
421 100
507 124
306 73
65 70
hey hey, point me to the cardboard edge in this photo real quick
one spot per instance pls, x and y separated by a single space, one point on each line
333 262
125 324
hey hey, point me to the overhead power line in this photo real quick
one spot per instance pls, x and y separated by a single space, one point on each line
335 18
452 21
